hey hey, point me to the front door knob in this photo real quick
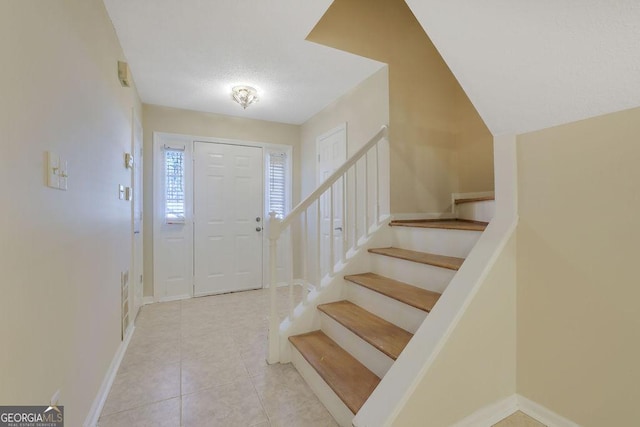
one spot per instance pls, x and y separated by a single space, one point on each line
258 228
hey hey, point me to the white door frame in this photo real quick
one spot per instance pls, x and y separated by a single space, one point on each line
137 257
189 140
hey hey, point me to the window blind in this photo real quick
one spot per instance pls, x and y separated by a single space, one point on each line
278 184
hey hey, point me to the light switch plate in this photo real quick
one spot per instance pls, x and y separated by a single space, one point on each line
121 192
63 175
53 168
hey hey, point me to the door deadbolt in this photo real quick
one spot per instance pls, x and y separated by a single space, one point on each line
258 219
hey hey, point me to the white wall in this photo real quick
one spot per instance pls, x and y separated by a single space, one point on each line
61 253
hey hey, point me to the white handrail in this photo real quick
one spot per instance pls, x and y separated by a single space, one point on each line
333 178
300 212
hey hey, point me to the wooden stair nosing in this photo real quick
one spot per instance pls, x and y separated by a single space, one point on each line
419 298
446 224
449 262
344 374
474 199
381 334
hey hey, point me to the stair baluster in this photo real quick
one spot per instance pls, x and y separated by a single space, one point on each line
300 216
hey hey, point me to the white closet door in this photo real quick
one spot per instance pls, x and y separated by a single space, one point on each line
332 153
228 210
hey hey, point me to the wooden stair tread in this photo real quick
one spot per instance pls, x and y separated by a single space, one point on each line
348 378
416 297
474 199
383 335
448 224
443 261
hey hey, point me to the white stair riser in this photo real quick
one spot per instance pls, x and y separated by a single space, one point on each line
423 276
329 399
376 361
457 243
400 314
476 211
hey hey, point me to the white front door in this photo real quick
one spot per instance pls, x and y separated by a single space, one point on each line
332 153
228 198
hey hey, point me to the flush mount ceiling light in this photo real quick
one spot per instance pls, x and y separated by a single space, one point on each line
244 95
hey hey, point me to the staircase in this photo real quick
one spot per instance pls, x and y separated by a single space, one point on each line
369 284
362 335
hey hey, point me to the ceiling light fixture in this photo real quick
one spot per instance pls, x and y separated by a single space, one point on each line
244 95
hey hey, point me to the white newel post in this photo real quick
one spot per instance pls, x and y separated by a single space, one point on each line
274 320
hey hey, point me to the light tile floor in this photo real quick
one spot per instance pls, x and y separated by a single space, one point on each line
201 362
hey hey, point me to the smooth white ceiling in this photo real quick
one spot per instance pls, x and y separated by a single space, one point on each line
528 65
189 53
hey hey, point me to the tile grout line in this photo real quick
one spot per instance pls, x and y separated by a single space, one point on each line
260 400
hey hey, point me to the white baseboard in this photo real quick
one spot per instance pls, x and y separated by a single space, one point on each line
543 414
105 387
174 298
491 414
295 282
147 300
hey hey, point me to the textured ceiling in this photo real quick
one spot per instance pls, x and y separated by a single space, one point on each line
529 65
189 53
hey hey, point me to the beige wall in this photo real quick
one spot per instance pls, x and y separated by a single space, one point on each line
578 293
474 148
439 145
477 365
172 120
61 253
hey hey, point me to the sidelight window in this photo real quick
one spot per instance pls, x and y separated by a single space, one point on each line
174 208
277 174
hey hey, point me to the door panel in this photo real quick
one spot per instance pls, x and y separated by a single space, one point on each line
228 198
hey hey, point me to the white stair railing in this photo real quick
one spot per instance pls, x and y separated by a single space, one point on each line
330 223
